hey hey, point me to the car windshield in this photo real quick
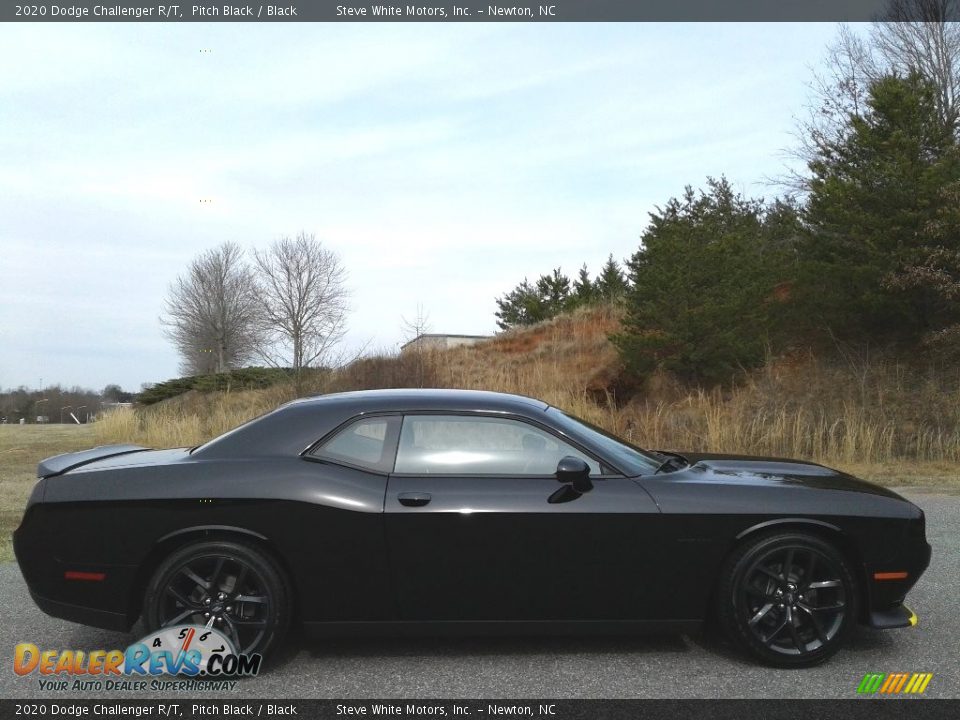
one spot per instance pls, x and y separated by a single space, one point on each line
629 458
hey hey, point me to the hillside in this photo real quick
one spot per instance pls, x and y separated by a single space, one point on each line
878 416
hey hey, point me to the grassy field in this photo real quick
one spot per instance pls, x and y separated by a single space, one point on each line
21 448
842 409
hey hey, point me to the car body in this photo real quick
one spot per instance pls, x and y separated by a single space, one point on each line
441 510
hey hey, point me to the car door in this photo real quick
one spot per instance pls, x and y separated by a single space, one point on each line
473 535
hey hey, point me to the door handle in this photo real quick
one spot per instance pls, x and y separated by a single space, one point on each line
414 499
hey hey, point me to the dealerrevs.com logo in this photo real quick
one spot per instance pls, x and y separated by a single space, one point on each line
894 683
204 656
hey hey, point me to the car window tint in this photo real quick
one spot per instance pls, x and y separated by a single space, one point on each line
629 458
459 445
362 443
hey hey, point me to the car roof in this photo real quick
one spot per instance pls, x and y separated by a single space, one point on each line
293 427
426 399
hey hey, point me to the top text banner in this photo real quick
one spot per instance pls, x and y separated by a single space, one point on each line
465 11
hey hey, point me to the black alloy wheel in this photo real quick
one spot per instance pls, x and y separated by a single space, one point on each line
231 587
788 599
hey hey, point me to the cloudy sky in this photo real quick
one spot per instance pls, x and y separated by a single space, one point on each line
443 162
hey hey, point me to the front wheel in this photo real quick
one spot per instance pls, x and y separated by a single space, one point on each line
790 600
229 586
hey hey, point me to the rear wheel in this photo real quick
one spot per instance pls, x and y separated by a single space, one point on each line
229 586
790 600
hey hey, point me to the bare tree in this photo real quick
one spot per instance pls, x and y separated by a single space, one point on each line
303 301
912 36
212 312
838 91
923 36
413 329
417 326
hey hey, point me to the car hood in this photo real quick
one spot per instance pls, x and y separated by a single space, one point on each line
752 470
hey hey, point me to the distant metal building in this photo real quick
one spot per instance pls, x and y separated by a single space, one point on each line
434 341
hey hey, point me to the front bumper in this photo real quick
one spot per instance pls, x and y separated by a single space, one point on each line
898 617
885 608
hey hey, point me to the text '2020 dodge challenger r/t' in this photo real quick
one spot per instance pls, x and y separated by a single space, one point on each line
463 511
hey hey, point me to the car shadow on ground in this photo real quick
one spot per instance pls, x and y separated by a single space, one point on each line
320 648
87 638
863 642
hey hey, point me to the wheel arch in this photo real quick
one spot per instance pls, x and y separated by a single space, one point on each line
779 523
821 529
173 541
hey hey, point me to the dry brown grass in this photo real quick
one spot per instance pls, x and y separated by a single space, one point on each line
882 420
879 418
189 419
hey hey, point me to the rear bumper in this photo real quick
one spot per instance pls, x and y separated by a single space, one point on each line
83 615
102 604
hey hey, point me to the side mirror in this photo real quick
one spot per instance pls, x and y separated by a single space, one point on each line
575 472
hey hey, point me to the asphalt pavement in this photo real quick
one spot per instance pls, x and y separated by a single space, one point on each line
561 667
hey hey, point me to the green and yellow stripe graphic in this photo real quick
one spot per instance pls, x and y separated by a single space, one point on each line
894 683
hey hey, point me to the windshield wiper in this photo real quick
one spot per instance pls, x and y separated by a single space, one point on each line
673 461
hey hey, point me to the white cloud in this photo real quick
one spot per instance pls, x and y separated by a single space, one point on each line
444 162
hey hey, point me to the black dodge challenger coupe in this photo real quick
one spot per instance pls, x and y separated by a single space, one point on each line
445 510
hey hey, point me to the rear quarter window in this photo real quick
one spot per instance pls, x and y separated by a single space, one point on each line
368 443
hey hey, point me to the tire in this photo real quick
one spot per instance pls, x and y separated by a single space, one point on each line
789 600
239 585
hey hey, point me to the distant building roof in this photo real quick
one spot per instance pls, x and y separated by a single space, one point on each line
445 340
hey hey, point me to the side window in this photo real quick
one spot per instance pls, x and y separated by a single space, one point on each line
368 443
461 445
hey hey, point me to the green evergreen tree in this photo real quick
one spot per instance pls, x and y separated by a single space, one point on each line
521 306
554 291
873 196
935 275
527 304
584 289
701 300
611 284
